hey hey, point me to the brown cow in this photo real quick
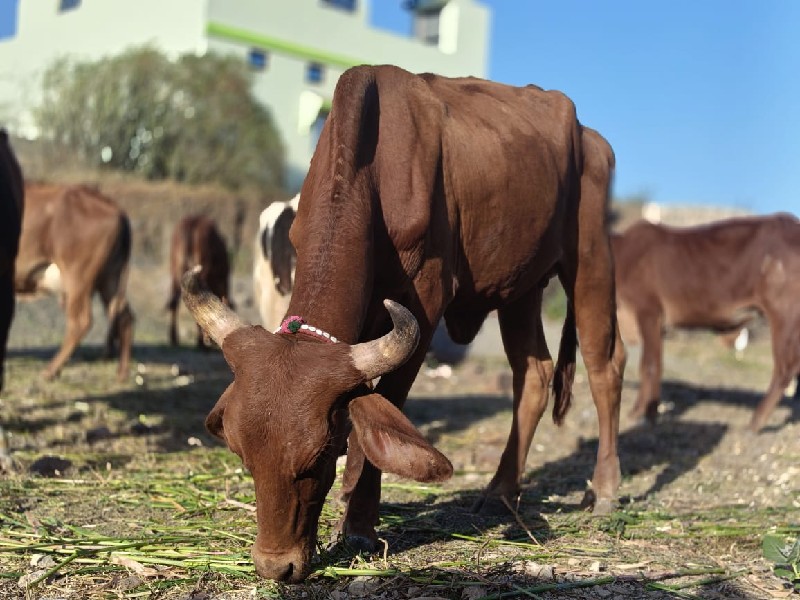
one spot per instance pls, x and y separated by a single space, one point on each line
713 277
75 242
197 241
12 195
471 197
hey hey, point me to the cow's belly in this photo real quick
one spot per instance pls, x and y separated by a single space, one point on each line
46 279
717 318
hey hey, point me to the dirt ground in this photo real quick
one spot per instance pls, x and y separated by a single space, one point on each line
697 498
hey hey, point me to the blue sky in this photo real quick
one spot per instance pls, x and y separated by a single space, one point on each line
700 99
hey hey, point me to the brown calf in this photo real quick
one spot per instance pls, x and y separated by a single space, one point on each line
196 241
711 277
452 197
75 242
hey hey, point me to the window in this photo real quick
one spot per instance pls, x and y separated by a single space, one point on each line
258 59
349 5
426 27
316 127
65 5
8 20
315 72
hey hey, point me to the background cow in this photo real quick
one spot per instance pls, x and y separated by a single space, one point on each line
12 195
471 198
274 260
196 241
75 242
711 277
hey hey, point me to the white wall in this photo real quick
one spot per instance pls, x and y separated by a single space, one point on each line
293 32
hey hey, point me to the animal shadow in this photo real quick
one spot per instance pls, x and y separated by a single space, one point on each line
683 396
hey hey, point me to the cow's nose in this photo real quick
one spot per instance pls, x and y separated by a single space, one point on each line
288 567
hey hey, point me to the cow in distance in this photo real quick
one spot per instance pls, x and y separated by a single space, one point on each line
274 261
196 241
12 201
717 277
75 242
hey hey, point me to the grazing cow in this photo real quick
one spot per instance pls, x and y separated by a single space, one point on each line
196 241
75 242
715 276
273 268
452 197
12 194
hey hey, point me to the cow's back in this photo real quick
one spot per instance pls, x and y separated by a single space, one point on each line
517 188
473 181
703 276
73 226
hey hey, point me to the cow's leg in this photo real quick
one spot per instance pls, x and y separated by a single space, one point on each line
588 271
201 339
650 366
112 309
786 365
532 368
604 357
119 337
172 307
78 312
6 314
361 482
125 338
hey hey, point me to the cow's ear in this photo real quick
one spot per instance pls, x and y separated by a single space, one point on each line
214 418
393 444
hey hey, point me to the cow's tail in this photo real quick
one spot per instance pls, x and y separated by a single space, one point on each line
564 375
120 315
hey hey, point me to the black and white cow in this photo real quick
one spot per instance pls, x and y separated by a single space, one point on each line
273 269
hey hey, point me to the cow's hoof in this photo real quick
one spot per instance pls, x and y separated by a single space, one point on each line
750 431
642 419
353 541
603 506
48 375
360 543
493 505
7 464
598 506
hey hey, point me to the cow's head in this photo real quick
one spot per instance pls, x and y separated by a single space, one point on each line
287 415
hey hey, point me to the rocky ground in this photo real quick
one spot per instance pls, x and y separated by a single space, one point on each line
698 496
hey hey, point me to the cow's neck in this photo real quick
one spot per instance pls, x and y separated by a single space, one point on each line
333 279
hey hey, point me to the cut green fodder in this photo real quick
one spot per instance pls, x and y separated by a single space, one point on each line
784 553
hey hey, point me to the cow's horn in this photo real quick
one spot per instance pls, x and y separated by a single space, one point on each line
213 316
387 353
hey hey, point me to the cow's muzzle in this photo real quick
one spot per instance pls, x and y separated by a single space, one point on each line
287 567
